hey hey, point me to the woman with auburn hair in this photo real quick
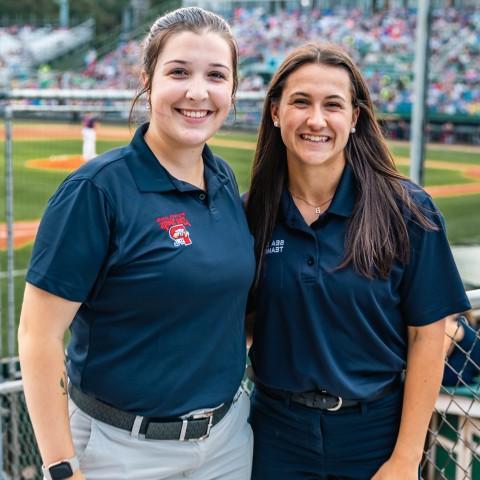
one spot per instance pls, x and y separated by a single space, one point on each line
124 258
354 279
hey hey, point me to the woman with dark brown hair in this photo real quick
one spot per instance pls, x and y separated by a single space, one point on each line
145 254
354 279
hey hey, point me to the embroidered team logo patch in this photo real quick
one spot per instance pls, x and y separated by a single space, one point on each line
176 226
180 235
275 246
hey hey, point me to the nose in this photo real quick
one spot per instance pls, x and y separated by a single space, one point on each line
197 89
316 119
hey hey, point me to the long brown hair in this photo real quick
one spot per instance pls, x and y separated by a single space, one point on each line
377 234
188 19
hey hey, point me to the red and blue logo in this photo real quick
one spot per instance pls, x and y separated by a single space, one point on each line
176 226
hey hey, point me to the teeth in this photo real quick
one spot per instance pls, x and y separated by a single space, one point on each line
194 113
315 138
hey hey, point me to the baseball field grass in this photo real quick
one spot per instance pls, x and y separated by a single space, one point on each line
452 176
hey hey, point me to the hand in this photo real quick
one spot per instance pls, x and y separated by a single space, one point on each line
78 475
396 469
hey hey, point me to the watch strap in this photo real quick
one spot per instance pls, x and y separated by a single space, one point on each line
73 462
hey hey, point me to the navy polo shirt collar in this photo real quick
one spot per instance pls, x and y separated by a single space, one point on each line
342 204
345 196
151 176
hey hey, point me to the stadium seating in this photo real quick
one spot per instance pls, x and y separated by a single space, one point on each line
383 44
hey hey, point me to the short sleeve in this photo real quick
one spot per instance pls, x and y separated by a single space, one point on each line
431 286
72 242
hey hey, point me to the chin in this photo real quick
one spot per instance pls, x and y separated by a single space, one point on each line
194 140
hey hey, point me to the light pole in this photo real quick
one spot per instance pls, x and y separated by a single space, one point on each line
63 15
417 137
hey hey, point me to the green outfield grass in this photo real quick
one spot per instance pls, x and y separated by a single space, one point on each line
436 153
33 187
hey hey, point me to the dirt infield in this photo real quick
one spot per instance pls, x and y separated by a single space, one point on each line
459 190
54 131
57 162
23 234
51 132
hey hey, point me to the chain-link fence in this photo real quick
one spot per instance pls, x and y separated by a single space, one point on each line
453 443
452 450
38 155
20 458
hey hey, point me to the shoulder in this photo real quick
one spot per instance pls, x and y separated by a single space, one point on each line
416 193
106 174
97 167
420 199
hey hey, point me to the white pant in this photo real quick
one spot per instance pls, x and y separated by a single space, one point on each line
109 453
89 143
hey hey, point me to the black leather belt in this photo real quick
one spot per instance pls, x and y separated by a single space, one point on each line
321 399
195 427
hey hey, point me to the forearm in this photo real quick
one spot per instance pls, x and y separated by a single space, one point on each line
45 386
425 363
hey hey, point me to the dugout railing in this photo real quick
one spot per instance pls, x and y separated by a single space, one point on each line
452 450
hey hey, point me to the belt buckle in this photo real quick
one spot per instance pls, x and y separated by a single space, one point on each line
338 406
201 416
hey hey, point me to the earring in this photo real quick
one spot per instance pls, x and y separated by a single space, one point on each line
353 130
275 123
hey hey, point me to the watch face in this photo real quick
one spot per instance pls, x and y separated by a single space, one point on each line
61 471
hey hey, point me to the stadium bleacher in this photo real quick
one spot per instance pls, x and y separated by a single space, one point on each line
382 43
23 49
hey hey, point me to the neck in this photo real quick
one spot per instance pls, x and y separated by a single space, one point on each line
316 184
183 163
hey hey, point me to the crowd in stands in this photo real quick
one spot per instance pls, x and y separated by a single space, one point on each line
382 43
23 48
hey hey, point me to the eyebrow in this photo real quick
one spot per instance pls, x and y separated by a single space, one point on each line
184 62
328 97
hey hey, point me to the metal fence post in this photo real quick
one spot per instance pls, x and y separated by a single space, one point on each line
10 240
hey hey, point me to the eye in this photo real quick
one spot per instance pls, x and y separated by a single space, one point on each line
178 72
334 105
300 102
217 75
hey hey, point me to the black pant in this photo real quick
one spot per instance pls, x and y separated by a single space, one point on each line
293 442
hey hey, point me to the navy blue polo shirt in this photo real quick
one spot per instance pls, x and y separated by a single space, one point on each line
162 270
318 327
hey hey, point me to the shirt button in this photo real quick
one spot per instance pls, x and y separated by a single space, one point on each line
202 197
310 260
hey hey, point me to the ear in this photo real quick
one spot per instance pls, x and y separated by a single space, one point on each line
274 111
144 78
355 115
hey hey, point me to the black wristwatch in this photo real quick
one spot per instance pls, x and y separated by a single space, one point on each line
61 470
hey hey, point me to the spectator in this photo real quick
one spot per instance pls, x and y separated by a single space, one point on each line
462 351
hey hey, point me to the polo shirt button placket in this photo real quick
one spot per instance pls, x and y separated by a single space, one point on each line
202 197
310 261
